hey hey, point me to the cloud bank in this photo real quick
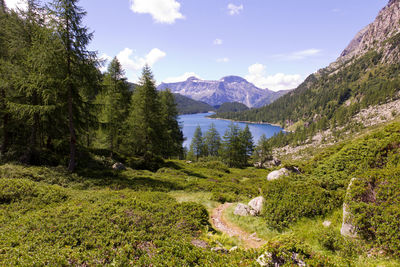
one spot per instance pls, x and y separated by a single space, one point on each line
162 11
234 9
280 81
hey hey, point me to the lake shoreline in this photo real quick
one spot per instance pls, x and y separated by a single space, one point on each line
250 122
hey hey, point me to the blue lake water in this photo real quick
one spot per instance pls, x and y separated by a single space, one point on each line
190 122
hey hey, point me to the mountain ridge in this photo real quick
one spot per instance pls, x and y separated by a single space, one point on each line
227 89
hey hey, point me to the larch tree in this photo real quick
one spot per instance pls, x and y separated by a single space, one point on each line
197 145
212 141
115 100
144 133
173 136
67 19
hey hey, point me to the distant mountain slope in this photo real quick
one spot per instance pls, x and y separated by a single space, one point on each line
367 73
232 107
187 105
228 89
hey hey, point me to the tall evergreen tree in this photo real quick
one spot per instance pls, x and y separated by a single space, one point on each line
212 141
262 152
231 150
247 144
75 38
173 136
144 134
115 102
197 145
4 85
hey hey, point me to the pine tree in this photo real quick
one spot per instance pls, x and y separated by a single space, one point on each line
4 86
144 133
77 62
197 145
173 136
212 141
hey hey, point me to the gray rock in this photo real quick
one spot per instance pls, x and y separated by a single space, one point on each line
119 166
199 243
233 248
278 174
327 223
257 204
265 259
348 228
243 210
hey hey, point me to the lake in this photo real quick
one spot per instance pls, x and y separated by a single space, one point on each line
191 121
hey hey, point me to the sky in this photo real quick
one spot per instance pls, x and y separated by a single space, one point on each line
273 44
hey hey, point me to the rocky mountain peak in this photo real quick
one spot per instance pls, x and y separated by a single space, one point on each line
233 79
376 34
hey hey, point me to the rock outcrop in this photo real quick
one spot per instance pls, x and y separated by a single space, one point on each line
254 207
257 204
348 228
376 34
278 174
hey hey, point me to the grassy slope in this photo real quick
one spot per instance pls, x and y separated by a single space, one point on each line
48 216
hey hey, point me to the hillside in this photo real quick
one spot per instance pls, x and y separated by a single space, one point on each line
186 105
227 89
366 74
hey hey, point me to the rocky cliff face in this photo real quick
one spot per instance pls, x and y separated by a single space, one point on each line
377 36
227 89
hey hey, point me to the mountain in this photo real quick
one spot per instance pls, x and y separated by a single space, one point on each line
227 89
232 107
187 105
367 73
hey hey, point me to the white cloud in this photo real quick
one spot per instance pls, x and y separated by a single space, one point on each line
234 9
280 81
223 60
218 41
299 55
181 78
162 11
137 63
105 59
14 4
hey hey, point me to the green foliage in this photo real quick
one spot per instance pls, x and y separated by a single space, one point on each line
186 105
232 107
327 99
262 152
320 188
197 147
212 141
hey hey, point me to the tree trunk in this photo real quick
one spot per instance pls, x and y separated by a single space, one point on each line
72 141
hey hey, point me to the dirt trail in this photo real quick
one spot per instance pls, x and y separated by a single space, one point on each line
221 224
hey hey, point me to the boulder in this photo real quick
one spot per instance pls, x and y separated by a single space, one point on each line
257 204
119 166
278 174
348 228
244 210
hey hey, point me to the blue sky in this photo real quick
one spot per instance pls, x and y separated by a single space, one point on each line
274 44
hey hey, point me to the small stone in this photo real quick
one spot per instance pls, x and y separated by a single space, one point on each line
119 166
327 223
242 210
257 204
219 250
233 248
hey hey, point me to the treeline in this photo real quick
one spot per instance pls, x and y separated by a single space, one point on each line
236 148
327 100
56 104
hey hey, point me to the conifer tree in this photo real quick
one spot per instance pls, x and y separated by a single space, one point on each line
67 20
173 136
262 152
4 85
212 141
115 100
144 135
197 145
247 144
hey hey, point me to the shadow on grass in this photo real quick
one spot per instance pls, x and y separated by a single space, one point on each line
175 166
